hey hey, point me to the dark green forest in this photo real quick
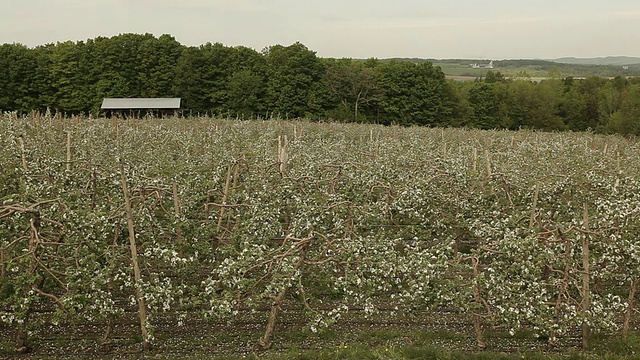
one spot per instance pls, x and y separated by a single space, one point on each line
292 82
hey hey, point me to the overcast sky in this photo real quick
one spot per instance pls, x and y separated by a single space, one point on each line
489 29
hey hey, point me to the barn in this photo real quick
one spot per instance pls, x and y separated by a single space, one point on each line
140 107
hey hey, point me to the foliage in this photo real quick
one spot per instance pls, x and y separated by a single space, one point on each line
355 85
415 94
292 82
293 87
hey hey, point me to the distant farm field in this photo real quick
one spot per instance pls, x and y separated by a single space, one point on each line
536 70
456 69
207 237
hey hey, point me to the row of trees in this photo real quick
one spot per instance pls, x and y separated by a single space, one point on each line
291 81
526 232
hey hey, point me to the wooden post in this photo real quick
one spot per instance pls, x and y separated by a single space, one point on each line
477 317
225 194
206 208
68 150
564 284
22 155
116 126
488 163
633 287
586 293
61 122
234 180
283 155
532 220
618 172
94 188
475 160
176 213
142 309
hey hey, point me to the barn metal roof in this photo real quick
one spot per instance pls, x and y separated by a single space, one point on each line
140 103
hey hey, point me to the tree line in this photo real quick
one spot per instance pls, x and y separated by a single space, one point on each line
293 82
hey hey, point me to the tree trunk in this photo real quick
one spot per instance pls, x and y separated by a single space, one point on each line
586 293
176 213
142 309
21 330
106 338
633 286
21 337
265 341
477 317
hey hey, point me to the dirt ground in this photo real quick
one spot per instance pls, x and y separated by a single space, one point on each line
202 338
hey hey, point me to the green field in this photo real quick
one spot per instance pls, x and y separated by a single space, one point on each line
533 69
456 69
219 238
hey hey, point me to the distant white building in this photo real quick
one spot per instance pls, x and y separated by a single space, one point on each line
485 66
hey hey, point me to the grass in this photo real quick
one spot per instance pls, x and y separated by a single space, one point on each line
376 342
425 353
392 345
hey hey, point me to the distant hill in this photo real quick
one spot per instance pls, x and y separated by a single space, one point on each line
609 60
611 66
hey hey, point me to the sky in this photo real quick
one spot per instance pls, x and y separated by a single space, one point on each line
468 29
